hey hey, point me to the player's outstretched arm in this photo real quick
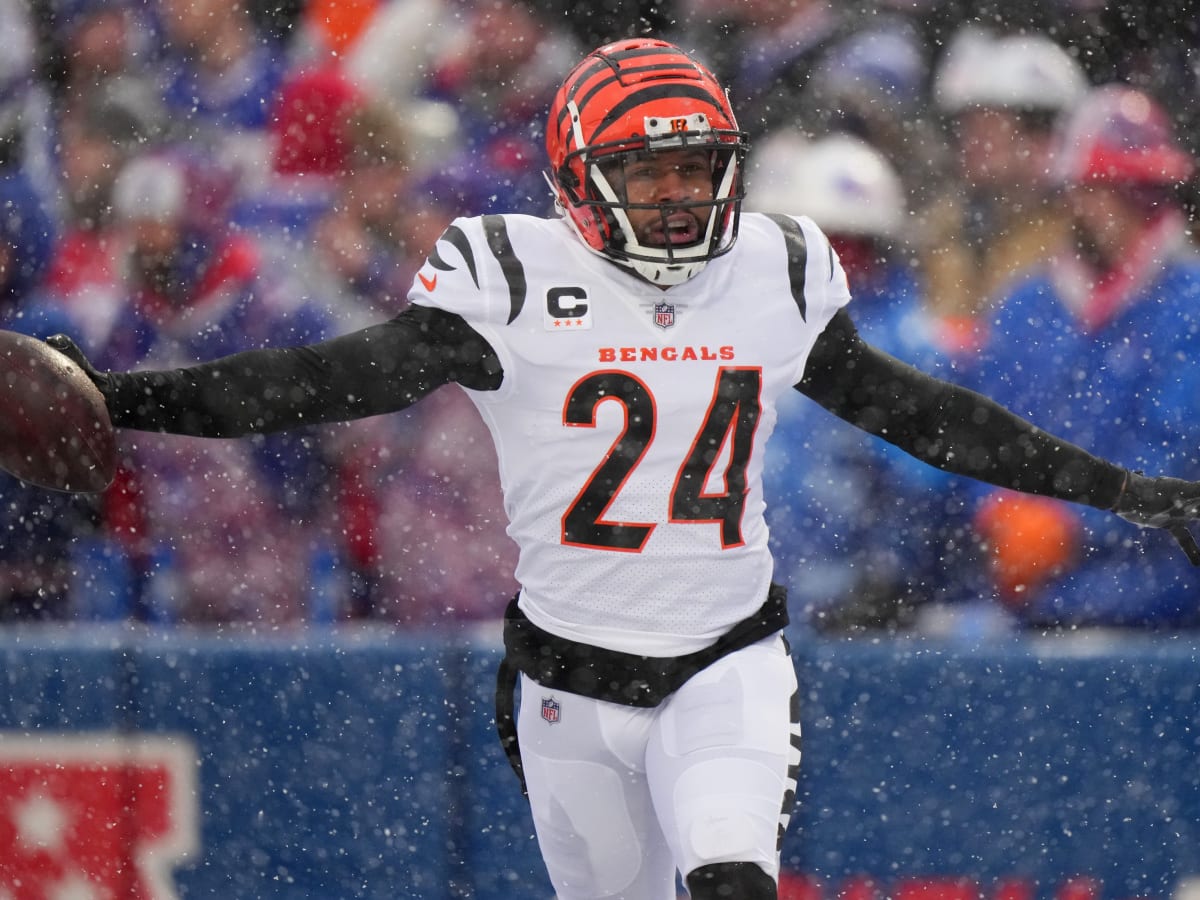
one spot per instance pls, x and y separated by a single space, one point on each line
964 432
376 370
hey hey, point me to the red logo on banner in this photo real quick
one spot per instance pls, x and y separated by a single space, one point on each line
95 815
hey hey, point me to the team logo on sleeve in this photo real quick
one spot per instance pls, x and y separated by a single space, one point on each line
551 710
664 315
567 309
95 815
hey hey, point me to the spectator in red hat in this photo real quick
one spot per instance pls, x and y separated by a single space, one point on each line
1116 308
182 284
311 121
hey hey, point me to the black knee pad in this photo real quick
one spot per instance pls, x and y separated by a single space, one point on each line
731 881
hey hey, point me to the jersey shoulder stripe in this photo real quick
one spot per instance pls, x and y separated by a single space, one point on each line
495 230
815 276
797 258
475 271
455 237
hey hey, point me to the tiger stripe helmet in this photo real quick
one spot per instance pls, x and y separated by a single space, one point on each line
637 96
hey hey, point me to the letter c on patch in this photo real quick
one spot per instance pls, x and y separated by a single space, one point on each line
556 307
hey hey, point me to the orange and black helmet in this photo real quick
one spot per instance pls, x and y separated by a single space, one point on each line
633 97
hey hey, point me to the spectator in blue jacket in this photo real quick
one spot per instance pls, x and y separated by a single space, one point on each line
1100 345
819 531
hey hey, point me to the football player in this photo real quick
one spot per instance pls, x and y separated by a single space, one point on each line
627 357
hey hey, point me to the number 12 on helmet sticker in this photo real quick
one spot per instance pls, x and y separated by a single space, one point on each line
729 423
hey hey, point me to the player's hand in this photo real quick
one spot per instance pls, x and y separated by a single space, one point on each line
70 349
1169 503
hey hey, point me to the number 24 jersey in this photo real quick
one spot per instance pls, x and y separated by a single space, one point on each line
631 421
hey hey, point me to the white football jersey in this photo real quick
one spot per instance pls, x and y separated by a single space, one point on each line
631 421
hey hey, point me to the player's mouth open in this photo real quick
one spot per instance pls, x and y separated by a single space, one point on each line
675 228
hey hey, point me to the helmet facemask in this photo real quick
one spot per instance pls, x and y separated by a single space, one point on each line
689 141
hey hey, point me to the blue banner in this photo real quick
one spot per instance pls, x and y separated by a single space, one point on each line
325 764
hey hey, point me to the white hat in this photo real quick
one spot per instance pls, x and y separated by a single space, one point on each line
841 182
1025 72
150 187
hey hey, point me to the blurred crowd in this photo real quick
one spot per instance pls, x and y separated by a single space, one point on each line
1011 188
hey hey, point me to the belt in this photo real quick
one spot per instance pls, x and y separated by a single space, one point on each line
626 678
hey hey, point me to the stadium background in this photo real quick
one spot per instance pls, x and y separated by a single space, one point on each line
361 762
337 764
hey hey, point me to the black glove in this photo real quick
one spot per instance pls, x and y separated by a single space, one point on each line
1169 503
70 349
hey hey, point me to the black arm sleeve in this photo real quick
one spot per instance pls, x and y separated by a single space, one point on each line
376 370
948 426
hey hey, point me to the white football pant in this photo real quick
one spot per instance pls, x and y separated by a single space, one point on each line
622 797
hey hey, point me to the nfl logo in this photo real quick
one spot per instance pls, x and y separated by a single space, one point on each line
96 814
664 314
550 709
